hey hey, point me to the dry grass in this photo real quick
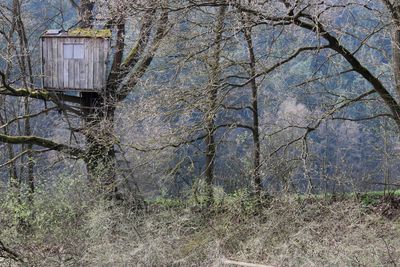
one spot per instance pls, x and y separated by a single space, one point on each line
287 232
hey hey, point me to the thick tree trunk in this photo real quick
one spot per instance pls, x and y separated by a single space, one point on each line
100 108
99 111
99 133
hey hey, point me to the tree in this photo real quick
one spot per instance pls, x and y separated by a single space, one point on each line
254 107
311 17
126 71
215 74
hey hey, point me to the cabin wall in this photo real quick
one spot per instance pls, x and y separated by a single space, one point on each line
62 74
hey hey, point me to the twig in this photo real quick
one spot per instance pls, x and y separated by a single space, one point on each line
9 254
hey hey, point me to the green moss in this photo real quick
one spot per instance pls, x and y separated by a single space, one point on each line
87 32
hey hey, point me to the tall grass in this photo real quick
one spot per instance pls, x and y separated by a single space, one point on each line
72 227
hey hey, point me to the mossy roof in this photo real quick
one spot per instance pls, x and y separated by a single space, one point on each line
87 32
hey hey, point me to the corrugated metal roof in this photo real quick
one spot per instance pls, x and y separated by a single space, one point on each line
53 31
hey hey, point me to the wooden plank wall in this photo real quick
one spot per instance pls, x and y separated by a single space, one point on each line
88 74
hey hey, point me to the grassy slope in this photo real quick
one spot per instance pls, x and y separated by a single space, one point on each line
287 232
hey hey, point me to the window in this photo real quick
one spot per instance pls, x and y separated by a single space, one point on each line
74 51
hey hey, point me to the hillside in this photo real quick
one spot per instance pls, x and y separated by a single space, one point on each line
284 231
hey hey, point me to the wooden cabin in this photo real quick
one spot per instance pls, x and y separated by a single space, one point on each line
75 60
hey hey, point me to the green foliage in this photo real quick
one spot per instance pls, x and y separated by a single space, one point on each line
15 213
167 202
241 201
56 211
373 198
198 194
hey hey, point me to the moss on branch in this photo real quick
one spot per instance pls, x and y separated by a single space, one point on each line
35 140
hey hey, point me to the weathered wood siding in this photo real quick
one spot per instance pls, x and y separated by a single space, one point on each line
62 74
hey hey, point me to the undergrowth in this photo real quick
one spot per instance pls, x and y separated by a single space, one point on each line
71 228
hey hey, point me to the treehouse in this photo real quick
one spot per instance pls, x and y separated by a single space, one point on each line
75 60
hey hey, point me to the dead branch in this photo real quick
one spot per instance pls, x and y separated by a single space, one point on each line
8 253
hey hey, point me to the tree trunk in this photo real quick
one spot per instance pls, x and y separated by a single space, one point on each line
27 74
30 161
99 133
256 126
396 55
215 73
12 168
210 157
86 13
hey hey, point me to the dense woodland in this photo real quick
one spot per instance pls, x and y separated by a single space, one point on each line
216 115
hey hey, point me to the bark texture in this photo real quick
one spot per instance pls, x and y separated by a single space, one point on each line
212 90
256 126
